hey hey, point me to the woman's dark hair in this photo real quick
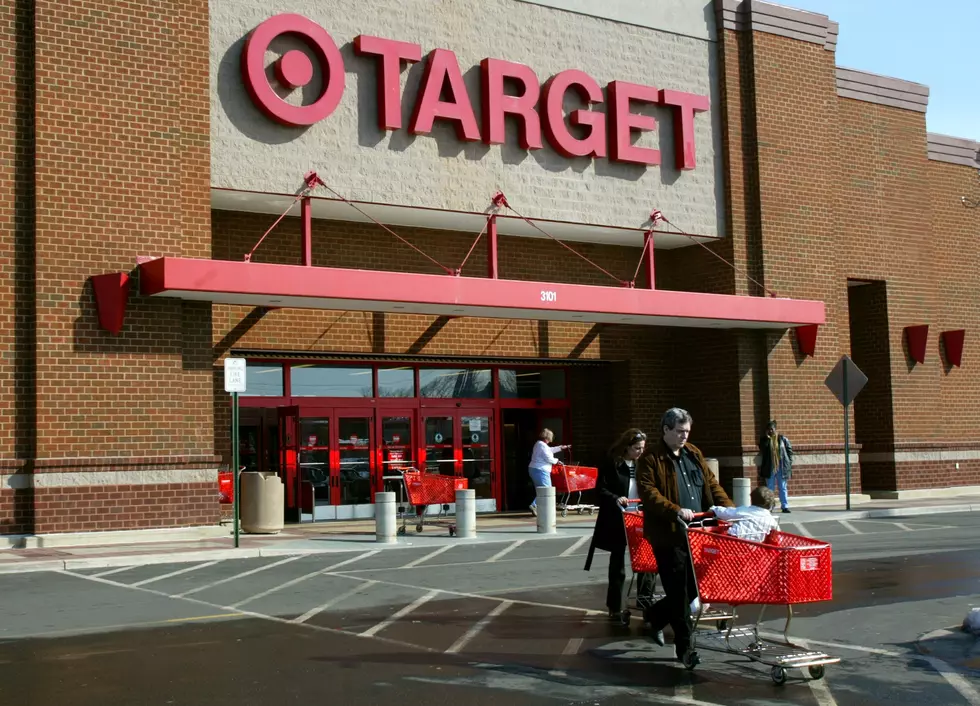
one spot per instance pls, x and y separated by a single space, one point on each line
625 440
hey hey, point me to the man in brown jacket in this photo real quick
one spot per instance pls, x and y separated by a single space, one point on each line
674 482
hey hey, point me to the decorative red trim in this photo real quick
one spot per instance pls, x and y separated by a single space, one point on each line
111 293
916 338
332 288
953 343
806 339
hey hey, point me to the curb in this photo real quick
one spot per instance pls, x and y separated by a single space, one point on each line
885 513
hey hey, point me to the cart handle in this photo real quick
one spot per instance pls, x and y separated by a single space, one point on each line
699 518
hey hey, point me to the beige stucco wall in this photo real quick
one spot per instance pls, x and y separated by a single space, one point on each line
250 152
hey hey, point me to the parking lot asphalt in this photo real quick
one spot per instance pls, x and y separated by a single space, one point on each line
470 623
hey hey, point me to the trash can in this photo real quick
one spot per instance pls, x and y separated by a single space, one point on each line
262 505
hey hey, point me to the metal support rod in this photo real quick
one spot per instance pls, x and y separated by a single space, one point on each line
648 259
492 247
306 231
234 460
847 443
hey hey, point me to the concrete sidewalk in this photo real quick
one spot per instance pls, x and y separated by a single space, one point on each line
359 536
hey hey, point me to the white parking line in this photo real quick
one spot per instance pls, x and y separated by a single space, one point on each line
801 529
428 556
571 649
239 576
955 680
481 596
903 527
333 601
821 692
304 578
110 572
849 527
507 550
418 602
468 636
176 573
571 550
260 616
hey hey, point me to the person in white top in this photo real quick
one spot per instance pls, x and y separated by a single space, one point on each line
752 522
542 461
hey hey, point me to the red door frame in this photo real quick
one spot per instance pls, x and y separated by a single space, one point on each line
417 406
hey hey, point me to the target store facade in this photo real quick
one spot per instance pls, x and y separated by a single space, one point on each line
432 229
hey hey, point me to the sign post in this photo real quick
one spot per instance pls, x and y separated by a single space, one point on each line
235 383
846 380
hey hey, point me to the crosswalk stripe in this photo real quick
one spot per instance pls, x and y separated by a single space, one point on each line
418 602
242 575
175 573
506 550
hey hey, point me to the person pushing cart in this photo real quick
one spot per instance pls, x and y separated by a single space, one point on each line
674 484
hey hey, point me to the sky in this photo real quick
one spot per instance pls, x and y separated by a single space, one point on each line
936 43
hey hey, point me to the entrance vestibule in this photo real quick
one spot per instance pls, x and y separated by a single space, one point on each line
337 433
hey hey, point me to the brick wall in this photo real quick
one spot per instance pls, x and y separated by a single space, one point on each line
121 159
822 189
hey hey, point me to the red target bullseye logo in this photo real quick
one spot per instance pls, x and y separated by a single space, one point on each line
293 70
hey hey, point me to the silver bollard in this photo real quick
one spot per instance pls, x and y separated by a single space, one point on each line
546 510
466 513
385 520
741 489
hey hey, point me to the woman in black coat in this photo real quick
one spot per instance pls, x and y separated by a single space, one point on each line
617 484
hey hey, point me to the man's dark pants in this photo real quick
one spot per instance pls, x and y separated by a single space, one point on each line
680 587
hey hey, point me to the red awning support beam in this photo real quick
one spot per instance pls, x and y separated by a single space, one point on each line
648 259
492 246
306 232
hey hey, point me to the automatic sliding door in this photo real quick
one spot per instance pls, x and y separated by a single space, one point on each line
440 453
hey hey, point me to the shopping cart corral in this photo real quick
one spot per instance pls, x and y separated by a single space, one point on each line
572 480
425 489
784 569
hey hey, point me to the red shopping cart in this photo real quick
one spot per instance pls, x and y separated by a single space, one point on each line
425 489
569 479
642 561
784 569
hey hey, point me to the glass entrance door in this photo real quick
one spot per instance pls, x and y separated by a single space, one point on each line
317 486
396 448
335 476
440 444
477 454
354 466
462 443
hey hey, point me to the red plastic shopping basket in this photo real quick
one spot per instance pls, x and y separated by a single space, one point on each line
573 479
432 488
784 569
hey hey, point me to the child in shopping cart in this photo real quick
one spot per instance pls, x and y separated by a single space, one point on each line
752 522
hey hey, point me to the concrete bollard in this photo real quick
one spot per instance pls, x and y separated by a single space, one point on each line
741 489
385 519
466 513
713 467
546 510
